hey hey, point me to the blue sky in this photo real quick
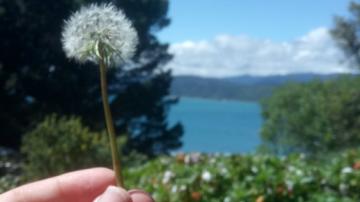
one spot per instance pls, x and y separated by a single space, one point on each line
220 38
271 19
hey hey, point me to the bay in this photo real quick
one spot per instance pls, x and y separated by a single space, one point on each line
218 126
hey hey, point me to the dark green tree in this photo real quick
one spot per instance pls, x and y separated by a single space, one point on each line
346 34
36 79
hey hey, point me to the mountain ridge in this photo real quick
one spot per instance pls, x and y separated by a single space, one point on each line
243 87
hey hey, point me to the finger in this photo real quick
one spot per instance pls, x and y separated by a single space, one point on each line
114 194
140 196
79 186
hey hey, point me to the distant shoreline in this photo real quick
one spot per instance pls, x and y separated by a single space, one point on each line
241 88
215 99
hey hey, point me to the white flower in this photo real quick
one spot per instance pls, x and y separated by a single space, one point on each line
306 179
346 170
291 168
212 160
295 170
289 185
167 176
99 31
224 171
249 178
299 172
227 199
187 159
174 189
254 169
192 158
183 188
343 188
206 176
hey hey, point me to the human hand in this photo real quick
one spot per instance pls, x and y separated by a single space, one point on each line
79 186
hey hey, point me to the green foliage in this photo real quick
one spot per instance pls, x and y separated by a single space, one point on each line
316 118
10 169
234 178
60 144
346 34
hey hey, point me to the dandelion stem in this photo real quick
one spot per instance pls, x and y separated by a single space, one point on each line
110 125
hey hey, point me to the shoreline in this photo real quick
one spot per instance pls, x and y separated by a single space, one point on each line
216 99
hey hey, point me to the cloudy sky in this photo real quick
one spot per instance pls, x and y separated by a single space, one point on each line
253 37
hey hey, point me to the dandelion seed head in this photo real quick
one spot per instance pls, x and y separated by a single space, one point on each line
99 31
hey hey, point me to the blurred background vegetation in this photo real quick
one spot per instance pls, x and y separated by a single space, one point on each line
51 117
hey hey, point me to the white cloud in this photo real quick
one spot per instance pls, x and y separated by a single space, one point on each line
238 55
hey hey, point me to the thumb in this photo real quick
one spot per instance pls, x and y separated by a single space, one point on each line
114 194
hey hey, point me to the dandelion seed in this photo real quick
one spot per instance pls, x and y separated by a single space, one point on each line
99 31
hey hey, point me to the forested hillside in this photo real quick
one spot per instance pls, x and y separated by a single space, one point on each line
247 88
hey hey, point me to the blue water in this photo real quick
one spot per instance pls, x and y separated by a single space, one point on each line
218 126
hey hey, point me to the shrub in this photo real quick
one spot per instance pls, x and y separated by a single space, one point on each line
260 178
10 164
60 144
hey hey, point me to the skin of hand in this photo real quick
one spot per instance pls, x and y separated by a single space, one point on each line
79 186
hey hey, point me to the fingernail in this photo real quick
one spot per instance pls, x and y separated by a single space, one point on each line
114 194
140 195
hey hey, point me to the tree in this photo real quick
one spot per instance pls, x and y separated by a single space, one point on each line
315 118
346 34
36 79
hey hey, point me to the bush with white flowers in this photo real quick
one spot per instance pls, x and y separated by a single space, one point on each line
258 178
255 178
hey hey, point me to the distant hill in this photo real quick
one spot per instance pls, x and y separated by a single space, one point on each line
246 88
